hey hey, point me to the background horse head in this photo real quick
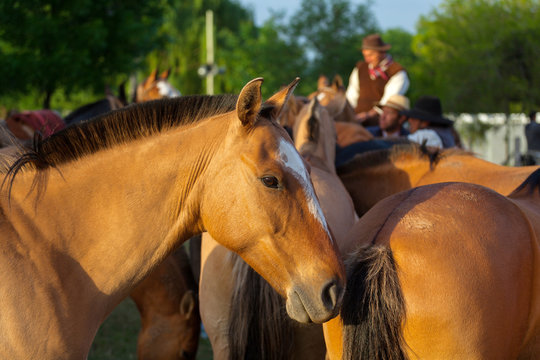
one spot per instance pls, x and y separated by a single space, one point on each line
314 135
155 87
152 88
168 305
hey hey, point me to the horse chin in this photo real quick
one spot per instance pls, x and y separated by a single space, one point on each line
300 309
295 308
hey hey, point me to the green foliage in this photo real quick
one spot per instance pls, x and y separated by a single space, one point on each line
481 55
403 53
74 45
331 32
477 55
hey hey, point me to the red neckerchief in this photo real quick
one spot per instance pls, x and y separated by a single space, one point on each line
380 70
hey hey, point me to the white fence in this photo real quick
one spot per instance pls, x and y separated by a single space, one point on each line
499 138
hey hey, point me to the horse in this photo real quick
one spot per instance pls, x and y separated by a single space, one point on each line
129 187
374 175
332 96
443 271
155 87
247 319
152 88
168 305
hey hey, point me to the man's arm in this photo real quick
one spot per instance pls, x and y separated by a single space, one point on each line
353 89
397 84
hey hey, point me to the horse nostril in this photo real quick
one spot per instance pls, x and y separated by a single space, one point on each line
330 295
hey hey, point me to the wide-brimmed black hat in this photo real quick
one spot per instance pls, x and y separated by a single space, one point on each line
428 108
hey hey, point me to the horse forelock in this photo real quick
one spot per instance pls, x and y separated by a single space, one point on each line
122 126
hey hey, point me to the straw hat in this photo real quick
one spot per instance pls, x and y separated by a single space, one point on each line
374 42
398 102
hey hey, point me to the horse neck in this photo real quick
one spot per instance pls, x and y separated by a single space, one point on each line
321 153
113 218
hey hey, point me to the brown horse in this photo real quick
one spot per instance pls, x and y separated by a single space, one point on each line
129 187
374 175
155 86
167 302
246 320
152 88
443 271
332 96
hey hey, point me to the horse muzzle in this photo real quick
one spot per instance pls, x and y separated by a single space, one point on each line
317 307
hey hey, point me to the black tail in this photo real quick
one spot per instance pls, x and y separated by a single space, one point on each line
373 307
260 327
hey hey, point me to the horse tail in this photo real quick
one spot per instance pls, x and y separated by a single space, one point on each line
528 187
259 327
373 307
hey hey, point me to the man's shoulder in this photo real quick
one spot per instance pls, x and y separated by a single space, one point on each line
395 67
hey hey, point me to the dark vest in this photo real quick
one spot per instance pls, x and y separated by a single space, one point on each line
371 91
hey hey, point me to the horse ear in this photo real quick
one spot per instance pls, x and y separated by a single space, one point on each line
337 83
278 101
165 75
249 102
151 77
187 304
322 82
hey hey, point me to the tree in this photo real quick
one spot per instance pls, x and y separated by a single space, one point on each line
481 55
73 45
331 32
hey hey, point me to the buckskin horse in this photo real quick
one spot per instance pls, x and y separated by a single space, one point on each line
131 186
374 175
332 96
247 319
443 271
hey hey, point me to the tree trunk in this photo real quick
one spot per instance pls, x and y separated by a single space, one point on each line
47 101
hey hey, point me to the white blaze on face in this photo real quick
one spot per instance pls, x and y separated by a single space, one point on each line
166 90
291 159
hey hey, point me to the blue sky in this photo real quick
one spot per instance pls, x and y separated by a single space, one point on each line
389 13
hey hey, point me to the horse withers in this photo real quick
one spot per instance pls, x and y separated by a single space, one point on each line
131 186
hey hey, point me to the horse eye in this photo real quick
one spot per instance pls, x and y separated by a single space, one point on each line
270 181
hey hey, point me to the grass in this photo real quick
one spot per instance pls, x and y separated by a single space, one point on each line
117 336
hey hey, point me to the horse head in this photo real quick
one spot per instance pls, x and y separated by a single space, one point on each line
156 87
315 134
271 190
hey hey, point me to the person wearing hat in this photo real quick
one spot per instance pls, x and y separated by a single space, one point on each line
426 123
391 119
374 80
